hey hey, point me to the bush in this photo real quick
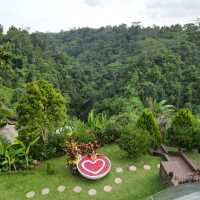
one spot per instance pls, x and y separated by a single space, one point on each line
110 134
134 141
125 118
16 155
53 147
84 137
184 129
148 123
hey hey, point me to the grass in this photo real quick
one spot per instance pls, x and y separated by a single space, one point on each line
194 156
135 186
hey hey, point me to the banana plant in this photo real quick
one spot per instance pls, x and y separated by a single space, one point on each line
10 153
25 149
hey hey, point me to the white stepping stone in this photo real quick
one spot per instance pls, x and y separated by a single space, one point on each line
61 188
118 180
132 168
77 189
119 170
30 195
92 192
147 167
45 191
107 188
158 166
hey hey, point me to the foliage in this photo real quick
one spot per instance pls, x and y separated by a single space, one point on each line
40 110
95 122
160 108
134 141
111 133
52 147
147 122
84 137
183 130
121 67
15 156
163 113
74 150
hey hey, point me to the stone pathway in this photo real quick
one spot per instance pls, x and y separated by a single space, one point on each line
61 188
45 191
107 188
147 167
119 170
92 192
132 168
77 189
118 180
30 195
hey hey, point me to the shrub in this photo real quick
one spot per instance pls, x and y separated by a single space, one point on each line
84 137
148 123
16 155
52 147
183 130
111 133
74 151
125 118
134 141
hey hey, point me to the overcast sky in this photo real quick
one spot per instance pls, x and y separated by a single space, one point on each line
56 15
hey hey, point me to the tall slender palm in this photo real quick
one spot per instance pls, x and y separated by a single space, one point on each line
162 111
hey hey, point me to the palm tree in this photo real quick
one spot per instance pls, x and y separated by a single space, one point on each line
162 112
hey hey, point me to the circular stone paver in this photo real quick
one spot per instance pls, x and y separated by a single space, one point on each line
61 188
132 168
107 188
147 167
158 166
77 189
30 195
45 191
92 192
119 170
118 180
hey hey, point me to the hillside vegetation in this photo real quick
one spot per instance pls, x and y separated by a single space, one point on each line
111 69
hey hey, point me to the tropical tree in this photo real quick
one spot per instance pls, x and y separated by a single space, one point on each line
184 129
147 122
162 112
40 110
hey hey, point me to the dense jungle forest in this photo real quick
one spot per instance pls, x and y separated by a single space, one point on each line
112 70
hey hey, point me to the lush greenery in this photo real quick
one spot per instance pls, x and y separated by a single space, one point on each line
134 141
78 90
15 156
110 69
184 130
148 123
93 84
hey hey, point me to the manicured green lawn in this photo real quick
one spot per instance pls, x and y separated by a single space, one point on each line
194 156
135 186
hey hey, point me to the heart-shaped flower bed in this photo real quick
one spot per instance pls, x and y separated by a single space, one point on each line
94 169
